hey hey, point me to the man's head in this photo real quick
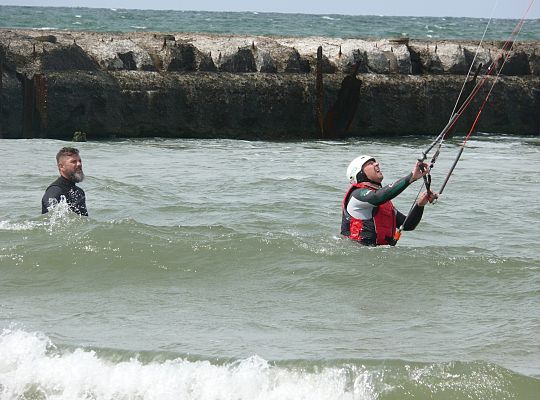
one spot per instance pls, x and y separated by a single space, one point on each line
70 164
364 169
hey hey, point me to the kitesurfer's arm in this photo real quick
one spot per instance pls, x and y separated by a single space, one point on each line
411 222
388 192
420 169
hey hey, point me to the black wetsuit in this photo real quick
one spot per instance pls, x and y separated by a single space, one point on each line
74 196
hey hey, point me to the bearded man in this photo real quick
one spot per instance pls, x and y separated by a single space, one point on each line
64 188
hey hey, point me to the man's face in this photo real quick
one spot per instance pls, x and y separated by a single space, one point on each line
70 167
373 171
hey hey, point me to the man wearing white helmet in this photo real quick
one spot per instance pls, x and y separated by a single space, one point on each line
368 215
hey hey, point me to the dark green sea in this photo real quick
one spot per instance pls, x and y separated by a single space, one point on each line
214 269
254 23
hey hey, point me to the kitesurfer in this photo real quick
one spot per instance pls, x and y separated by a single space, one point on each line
64 188
368 215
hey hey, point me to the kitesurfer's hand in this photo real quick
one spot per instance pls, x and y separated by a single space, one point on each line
426 197
420 169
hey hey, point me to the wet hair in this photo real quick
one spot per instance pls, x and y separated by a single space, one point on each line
66 152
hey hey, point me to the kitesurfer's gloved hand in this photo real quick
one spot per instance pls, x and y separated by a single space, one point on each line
420 169
426 197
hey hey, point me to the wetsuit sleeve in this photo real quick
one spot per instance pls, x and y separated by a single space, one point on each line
53 194
414 218
382 195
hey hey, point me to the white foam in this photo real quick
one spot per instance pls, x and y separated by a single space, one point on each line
58 212
18 226
31 366
57 218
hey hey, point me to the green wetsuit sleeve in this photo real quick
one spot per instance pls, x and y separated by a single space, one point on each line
388 192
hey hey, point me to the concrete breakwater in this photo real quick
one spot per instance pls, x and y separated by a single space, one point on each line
208 86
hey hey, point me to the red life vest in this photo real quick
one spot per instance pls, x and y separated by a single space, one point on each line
384 217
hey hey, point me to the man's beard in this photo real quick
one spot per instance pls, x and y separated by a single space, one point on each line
77 176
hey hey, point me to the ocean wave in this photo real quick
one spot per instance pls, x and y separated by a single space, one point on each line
250 235
32 366
330 18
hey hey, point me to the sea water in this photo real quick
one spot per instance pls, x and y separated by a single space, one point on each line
214 269
255 23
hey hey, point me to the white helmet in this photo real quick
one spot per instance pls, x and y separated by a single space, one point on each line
356 166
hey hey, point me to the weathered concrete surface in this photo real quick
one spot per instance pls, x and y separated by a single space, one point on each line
206 86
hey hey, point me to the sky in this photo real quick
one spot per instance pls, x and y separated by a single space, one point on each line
437 8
